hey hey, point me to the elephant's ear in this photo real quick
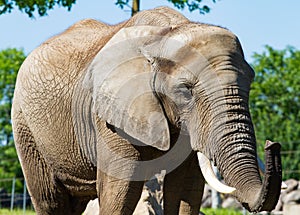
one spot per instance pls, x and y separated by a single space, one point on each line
120 79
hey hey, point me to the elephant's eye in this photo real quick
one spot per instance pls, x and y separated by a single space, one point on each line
190 87
186 90
151 60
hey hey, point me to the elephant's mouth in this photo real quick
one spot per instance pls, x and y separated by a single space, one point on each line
269 187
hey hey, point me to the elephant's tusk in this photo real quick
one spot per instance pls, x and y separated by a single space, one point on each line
210 176
261 166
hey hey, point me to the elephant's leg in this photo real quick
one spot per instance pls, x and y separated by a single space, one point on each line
183 188
77 205
118 197
117 190
47 193
192 190
172 189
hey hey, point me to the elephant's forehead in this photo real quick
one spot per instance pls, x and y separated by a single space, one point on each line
207 40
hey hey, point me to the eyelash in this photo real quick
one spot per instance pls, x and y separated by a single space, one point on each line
186 87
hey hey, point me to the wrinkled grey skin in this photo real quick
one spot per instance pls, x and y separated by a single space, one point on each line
61 122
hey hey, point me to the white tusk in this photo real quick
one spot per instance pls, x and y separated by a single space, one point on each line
262 171
210 176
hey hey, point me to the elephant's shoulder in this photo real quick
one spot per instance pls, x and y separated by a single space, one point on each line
71 50
88 24
82 36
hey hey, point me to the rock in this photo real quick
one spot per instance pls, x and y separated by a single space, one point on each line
276 213
151 201
142 206
292 197
279 204
291 209
292 185
92 208
231 202
206 191
206 199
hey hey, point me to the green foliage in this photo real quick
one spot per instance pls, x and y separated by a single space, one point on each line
30 6
192 5
16 212
42 6
220 211
10 168
122 3
275 104
10 62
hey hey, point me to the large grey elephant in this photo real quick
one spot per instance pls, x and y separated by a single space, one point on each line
99 109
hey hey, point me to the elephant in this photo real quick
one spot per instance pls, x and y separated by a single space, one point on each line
99 109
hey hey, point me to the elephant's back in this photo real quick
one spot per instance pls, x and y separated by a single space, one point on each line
65 56
48 75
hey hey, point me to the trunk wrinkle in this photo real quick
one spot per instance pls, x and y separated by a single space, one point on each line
271 187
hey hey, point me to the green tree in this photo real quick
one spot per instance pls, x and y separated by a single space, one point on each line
30 6
275 104
10 62
192 5
42 6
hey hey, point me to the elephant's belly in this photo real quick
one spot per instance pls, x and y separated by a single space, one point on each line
78 186
77 178
71 168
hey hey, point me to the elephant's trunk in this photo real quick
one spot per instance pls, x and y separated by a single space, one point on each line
270 190
232 147
271 180
254 195
237 162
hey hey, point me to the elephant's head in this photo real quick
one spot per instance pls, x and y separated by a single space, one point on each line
192 76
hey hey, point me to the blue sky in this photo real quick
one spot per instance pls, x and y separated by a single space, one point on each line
256 22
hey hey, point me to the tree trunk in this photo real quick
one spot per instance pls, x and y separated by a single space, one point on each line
135 7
